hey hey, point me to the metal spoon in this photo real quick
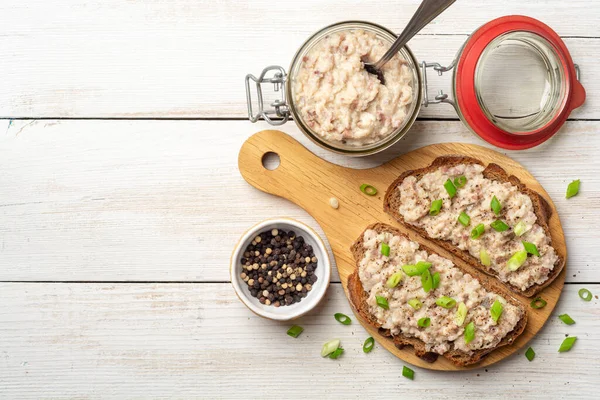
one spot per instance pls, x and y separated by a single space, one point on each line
427 11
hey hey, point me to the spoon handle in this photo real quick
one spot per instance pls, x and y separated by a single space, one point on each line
427 11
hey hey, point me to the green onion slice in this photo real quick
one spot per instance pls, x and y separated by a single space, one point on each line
464 219
496 310
382 302
585 295
436 280
342 318
520 228
531 248
330 347
436 206
385 249
394 279
461 314
517 260
566 319
415 303
446 302
573 189
499 226
567 344
469 332
485 258
538 303
495 205
530 354
450 188
408 373
416 269
369 344
338 352
427 281
477 231
368 189
424 322
295 331
460 181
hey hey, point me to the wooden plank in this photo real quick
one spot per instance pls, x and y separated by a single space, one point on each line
175 59
164 201
198 340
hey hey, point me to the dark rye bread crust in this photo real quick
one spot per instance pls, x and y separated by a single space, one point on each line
541 208
358 299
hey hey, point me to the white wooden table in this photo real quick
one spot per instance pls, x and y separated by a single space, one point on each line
120 202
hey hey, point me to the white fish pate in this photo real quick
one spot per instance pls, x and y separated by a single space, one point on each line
474 199
343 103
443 334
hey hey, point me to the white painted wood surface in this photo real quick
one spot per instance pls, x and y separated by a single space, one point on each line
188 58
115 236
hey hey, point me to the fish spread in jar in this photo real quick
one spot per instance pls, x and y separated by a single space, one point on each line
444 332
340 101
474 199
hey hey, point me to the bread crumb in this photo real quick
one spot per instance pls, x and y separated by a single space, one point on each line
333 202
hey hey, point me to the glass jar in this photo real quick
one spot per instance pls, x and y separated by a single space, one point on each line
514 85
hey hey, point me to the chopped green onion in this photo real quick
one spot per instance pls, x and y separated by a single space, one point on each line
436 206
382 302
436 280
415 303
538 303
499 226
573 189
417 269
485 258
338 352
369 344
585 295
520 228
469 332
496 310
394 279
567 344
295 331
424 322
477 231
495 205
518 259
368 189
460 181
408 373
446 302
426 281
450 188
530 354
566 319
330 347
461 314
531 248
342 318
464 219
385 249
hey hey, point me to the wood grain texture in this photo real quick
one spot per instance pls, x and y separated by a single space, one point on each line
187 58
309 182
151 200
198 341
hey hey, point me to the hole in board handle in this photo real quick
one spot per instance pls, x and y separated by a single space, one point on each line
270 160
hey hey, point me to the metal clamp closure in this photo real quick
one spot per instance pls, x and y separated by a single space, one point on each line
279 107
441 97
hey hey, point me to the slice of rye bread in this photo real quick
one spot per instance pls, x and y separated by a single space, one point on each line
358 299
391 205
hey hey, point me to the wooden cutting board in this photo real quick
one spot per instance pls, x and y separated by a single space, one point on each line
310 182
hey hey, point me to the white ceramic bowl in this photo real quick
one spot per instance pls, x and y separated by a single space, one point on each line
323 271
